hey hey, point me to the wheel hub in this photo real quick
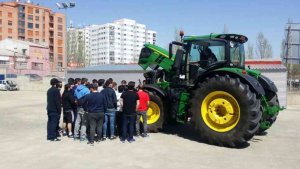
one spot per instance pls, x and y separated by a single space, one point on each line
153 113
220 111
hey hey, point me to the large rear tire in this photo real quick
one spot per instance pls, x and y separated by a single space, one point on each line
225 111
155 113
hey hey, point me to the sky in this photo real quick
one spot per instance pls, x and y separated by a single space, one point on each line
195 17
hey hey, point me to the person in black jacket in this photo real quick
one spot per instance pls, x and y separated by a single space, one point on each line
129 102
110 113
53 110
96 106
68 102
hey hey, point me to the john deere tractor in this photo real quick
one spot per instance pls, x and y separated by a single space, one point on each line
203 80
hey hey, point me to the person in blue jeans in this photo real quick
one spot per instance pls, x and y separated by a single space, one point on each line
110 113
129 102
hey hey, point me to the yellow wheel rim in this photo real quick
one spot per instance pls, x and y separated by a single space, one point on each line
220 111
153 113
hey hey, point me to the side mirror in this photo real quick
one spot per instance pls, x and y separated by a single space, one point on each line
178 61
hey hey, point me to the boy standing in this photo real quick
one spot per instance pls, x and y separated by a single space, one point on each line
68 102
110 113
80 92
129 103
142 111
53 110
96 106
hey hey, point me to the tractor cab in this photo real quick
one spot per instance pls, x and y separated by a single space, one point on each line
199 54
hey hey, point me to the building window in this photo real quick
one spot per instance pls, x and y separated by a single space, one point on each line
30 39
0 13
37 33
30 17
0 21
30 25
9 15
37 26
9 37
60 34
59 64
22 16
59 27
10 30
37 18
60 20
37 40
37 11
9 23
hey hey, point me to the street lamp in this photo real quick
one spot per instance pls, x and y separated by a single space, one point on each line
65 6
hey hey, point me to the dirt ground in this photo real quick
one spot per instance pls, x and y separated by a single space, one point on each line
23 144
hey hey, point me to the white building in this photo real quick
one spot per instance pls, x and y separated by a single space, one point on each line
117 42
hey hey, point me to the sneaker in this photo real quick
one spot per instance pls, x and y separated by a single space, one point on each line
55 139
70 136
123 140
112 137
64 134
103 138
90 143
145 135
131 140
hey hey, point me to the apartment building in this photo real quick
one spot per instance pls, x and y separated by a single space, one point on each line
31 22
119 42
75 47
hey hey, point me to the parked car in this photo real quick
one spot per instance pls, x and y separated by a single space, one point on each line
34 77
12 85
8 85
3 85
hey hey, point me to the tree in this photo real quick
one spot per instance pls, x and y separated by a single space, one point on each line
249 53
263 47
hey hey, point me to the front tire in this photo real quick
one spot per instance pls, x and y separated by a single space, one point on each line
155 113
225 111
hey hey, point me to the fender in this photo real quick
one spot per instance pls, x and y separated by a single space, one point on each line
155 88
267 84
251 81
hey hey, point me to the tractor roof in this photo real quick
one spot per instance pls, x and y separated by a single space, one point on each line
233 37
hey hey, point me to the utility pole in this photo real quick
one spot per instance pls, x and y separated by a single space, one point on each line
65 6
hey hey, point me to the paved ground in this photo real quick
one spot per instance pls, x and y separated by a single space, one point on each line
23 144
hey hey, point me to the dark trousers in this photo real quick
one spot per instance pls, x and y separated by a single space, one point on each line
53 120
95 119
127 121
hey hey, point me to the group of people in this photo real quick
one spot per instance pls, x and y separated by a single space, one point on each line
96 111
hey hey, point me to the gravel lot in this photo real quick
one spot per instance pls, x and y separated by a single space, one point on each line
23 144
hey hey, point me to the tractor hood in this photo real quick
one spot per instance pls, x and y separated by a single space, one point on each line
153 57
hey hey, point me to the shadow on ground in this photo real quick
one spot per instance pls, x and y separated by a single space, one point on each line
187 131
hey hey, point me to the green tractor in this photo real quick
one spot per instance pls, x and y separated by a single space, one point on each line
205 82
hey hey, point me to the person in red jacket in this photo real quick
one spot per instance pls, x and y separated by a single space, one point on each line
142 111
